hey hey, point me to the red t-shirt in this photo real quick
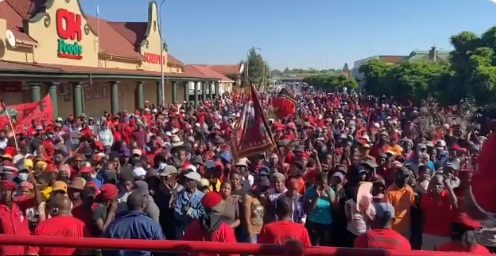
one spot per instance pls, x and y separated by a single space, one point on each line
457 247
383 239
279 231
437 213
60 226
13 222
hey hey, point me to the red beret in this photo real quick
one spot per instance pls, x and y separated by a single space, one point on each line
211 199
109 191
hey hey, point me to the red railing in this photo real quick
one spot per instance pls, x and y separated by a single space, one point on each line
206 247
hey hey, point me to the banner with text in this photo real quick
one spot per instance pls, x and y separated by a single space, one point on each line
22 115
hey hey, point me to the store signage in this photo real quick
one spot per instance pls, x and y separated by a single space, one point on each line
154 58
70 34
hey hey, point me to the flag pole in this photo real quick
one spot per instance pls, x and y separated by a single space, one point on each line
12 128
4 111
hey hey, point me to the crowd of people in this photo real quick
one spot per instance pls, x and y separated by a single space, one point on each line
169 173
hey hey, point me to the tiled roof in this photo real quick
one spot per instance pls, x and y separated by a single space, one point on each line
393 59
134 32
210 73
172 60
111 41
10 65
14 12
224 69
26 8
190 69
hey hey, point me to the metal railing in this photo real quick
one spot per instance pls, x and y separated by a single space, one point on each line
201 247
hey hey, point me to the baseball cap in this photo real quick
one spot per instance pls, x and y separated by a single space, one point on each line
339 175
384 210
168 170
137 152
193 176
59 186
138 172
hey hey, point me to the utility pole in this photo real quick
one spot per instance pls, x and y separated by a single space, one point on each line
162 73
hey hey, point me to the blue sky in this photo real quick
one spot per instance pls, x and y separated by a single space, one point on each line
302 34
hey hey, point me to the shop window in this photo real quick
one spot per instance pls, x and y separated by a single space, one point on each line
97 90
105 89
68 95
87 92
63 89
11 87
122 90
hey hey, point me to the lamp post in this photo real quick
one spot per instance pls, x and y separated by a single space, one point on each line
162 74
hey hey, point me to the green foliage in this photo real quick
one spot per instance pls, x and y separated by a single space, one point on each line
331 82
258 69
309 71
470 73
346 68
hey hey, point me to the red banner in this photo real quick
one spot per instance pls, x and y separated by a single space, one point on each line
253 133
22 115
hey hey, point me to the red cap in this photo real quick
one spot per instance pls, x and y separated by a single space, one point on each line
211 199
85 170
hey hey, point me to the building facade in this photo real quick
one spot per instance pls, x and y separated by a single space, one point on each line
88 64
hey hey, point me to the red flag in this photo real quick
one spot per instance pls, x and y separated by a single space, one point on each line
253 134
284 105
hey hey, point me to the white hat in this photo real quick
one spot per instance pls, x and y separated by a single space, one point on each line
176 141
242 162
138 172
193 176
137 152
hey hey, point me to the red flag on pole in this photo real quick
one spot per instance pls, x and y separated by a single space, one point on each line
253 134
284 104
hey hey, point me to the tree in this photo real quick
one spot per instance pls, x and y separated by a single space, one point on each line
376 74
346 68
257 70
331 82
470 73
415 79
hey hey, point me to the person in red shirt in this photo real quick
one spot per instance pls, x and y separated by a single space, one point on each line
12 219
278 232
381 235
463 239
210 226
62 224
436 207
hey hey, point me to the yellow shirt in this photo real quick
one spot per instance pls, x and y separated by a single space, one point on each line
401 199
217 186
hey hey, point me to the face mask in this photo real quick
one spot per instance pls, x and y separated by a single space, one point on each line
23 176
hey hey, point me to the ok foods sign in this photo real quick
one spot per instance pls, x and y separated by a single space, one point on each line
70 35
